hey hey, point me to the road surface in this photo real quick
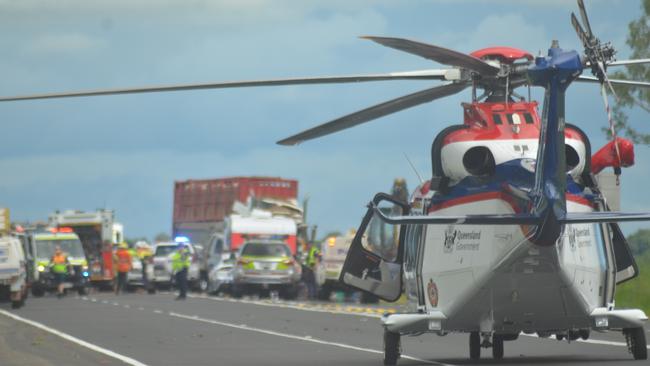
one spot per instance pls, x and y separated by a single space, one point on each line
140 329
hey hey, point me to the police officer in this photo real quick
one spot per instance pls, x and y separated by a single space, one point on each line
180 266
309 273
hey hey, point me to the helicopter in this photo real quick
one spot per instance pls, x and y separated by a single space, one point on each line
512 232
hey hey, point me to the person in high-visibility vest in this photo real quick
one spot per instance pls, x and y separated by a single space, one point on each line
180 265
309 272
145 254
123 260
59 265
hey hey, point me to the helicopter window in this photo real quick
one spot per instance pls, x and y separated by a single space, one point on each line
382 238
497 119
509 117
528 118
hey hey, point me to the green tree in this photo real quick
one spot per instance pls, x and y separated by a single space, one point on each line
639 242
639 41
162 237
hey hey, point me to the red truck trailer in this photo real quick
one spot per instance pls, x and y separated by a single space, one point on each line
202 206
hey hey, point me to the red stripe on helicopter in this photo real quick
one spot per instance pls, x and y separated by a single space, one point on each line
501 133
512 201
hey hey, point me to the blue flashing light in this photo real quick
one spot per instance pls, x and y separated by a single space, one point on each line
85 273
182 239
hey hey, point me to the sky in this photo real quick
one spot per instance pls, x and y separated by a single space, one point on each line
125 152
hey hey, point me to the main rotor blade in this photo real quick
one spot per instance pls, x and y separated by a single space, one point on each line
585 19
592 79
374 112
584 38
438 54
432 74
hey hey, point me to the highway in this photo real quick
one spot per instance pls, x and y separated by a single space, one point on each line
140 329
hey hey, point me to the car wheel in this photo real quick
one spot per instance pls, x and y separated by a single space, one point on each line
203 285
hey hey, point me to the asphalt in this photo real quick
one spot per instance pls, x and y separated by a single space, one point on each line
202 330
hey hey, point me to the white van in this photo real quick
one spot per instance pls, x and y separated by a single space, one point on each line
13 272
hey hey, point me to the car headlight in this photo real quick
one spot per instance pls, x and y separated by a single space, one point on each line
41 268
84 268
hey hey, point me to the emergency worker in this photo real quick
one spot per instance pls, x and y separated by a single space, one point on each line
180 267
313 258
144 253
123 260
59 266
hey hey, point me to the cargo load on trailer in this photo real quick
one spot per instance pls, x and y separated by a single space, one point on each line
201 207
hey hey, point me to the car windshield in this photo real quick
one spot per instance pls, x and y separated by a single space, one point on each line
45 248
266 250
165 250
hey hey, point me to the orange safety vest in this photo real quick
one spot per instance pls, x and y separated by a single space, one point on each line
123 260
59 263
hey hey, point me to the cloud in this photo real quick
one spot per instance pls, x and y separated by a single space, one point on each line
64 43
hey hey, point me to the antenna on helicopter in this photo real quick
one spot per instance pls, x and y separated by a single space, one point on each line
413 167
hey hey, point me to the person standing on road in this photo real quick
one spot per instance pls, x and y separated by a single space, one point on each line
180 266
144 253
313 259
59 265
123 259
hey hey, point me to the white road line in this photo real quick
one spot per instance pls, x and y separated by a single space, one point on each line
158 311
107 352
299 338
590 340
104 302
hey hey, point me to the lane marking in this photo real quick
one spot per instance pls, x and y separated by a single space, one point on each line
157 311
338 309
590 340
94 347
299 338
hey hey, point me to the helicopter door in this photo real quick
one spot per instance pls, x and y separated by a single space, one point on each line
374 260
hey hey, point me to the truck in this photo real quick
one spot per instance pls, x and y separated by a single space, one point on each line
98 232
201 207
